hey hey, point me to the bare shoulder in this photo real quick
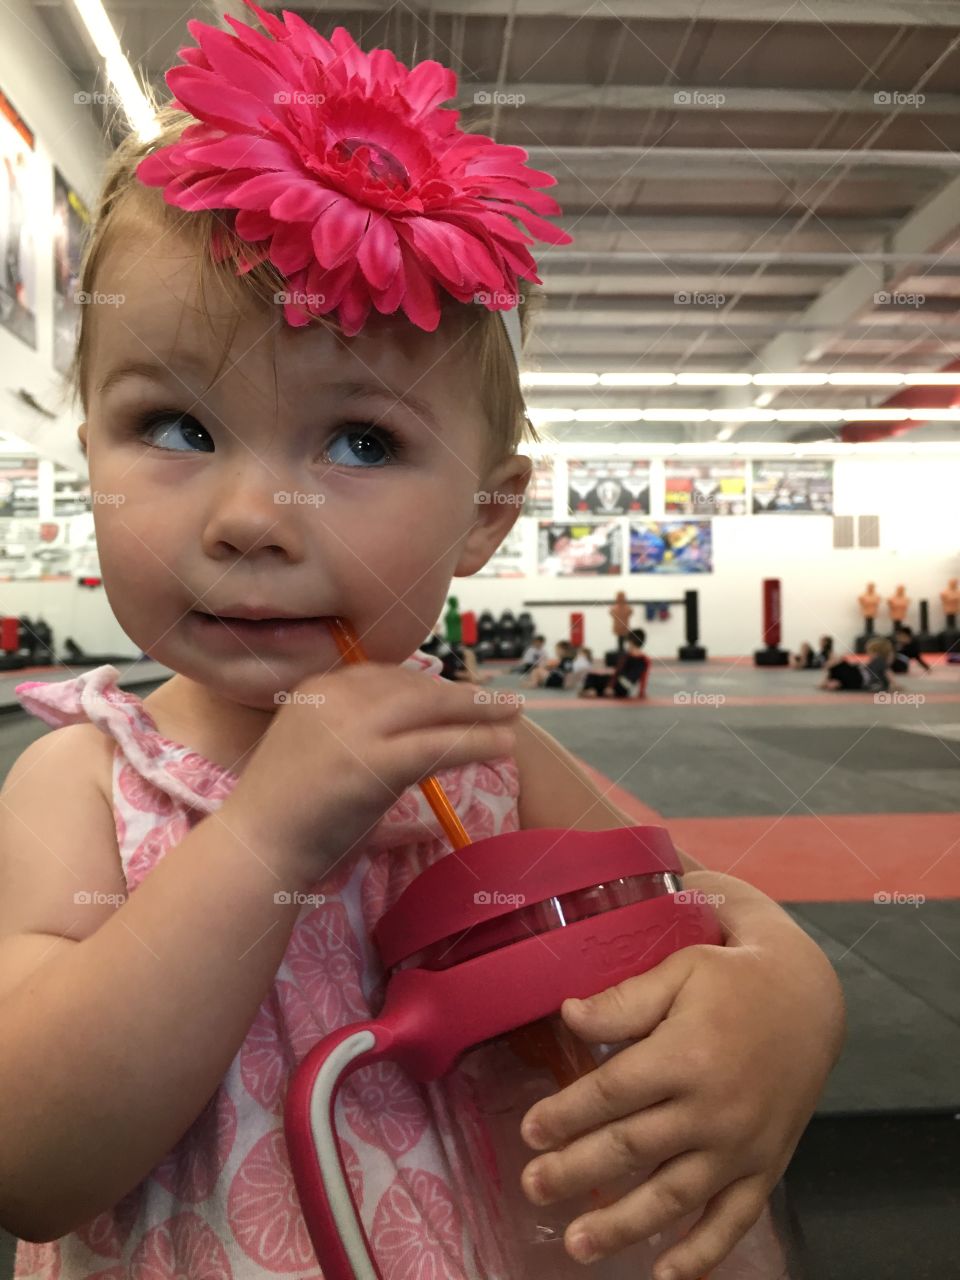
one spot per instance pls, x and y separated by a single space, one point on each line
554 789
60 870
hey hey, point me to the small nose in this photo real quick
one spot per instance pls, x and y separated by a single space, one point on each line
255 509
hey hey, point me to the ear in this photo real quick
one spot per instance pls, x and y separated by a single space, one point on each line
82 437
497 504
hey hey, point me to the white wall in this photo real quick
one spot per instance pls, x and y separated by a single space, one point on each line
915 497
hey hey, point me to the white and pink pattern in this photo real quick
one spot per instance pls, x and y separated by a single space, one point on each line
222 1204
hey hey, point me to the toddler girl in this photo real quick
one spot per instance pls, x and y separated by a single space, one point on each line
289 416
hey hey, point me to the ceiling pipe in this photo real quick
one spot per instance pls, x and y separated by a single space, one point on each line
909 398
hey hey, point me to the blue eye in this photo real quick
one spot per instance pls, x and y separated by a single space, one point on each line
366 447
187 424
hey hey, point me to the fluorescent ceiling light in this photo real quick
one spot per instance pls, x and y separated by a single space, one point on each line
637 379
714 379
865 379
135 105
559 379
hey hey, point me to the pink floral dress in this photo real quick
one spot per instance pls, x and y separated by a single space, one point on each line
222 1204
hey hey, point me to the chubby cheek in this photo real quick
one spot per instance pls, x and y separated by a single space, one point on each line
398 573
136 574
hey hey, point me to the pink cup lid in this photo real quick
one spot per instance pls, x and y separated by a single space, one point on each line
487 879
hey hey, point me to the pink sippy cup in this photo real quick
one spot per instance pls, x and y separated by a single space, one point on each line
480 951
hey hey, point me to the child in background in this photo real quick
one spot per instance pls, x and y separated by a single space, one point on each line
534 654
872 676
582 663
291 414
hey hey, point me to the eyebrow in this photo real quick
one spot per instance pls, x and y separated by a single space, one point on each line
155 372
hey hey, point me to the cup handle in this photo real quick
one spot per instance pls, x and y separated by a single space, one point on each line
332 1218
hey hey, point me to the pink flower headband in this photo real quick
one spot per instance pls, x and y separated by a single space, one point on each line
340 168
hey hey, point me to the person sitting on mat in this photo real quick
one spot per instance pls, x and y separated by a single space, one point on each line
871 676
534 654
907 647
553 673
582 663
809 659
805 659
627 678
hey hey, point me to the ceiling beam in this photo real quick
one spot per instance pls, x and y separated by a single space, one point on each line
930 225
649 161
863 13
689 98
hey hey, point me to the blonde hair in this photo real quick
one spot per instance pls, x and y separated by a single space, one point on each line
125 203
880 645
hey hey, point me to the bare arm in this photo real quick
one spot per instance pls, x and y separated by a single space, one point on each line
119 1021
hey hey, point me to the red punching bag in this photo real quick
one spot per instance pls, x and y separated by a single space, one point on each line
468 628
9 634
576 630
771 612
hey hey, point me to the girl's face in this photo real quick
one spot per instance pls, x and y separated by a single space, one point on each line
315 477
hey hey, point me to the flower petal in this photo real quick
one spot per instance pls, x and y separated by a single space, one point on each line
379 254
259 192
303 202
237 150
208 97
337 232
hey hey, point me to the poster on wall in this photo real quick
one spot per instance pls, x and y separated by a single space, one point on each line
34 550
538 500
70 221
71 492
671 546
19 486
19 217
781 486
567 549
705 488
608 487
509 559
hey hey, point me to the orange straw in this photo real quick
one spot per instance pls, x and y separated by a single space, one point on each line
351 651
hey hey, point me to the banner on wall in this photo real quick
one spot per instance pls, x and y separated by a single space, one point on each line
705 488
508 561
781 486
538 500
608 486
671 546
70 221
71 492
34 550
19 217
19 486
567 549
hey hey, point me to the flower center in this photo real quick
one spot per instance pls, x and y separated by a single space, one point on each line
381 164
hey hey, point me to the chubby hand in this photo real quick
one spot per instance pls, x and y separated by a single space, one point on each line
734 1046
